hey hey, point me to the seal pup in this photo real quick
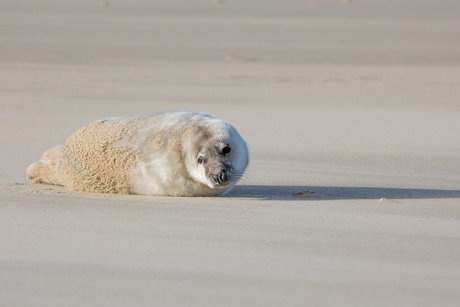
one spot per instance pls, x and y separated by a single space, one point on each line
177 153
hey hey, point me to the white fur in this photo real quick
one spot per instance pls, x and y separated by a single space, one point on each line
160 174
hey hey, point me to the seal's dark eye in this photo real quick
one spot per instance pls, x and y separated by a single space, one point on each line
226 150
200 160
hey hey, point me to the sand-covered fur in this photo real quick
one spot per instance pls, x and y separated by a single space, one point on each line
154 154
89 161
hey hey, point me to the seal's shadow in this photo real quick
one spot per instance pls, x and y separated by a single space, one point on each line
273 192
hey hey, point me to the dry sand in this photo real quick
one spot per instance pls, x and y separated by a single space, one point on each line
351 110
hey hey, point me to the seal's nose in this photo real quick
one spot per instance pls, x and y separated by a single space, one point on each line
222 176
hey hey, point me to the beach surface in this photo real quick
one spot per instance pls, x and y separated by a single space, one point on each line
351 110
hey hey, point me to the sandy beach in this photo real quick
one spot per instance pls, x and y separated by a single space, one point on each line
351 111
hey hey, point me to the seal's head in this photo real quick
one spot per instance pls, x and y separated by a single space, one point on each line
215 154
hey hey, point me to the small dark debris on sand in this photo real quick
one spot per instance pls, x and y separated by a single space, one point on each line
303 194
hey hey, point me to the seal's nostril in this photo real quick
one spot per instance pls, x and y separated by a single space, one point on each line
222 176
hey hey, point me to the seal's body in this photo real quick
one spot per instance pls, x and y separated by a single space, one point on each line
179 153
